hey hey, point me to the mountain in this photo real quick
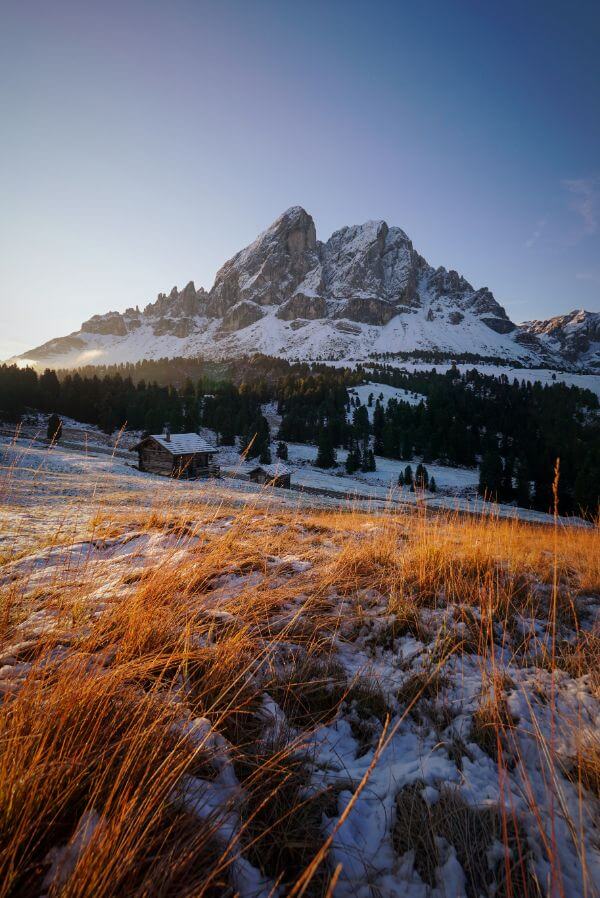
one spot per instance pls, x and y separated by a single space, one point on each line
574 337
364 293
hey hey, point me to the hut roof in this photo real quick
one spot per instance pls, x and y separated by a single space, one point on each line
275 470
181 443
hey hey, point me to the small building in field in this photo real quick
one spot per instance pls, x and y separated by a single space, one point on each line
176 455
272 475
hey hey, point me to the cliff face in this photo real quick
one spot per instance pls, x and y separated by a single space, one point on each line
365 291
575 336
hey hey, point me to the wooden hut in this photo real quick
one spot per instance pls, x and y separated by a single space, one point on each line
176 455
272 475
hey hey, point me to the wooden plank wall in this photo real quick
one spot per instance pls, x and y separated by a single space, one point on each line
155 459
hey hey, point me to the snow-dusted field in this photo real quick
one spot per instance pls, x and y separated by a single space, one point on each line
385 477
311 486
429 702
384 393
545 376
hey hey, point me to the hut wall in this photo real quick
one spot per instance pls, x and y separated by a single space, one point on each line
155 459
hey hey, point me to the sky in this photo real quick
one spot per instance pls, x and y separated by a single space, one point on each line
144 143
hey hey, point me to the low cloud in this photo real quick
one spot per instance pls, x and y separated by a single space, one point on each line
584 200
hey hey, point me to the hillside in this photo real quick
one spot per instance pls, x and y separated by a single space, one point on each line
364 293
214 695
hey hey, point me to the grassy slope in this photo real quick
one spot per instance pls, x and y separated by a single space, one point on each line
205 699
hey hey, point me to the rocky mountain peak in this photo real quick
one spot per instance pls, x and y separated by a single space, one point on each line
295 219
363 292
269 270
372 261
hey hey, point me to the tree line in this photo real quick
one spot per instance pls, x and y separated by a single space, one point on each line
513 429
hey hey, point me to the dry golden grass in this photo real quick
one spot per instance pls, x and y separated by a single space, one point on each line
229 605
76 739
283 830
490 724
585 767
472 831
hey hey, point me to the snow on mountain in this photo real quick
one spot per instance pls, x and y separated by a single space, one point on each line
364 293
575 336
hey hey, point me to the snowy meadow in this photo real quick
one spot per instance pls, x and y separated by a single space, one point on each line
219 689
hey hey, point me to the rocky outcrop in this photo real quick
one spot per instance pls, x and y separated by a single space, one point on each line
574 325
112 323
367 311
523 338
372 260
268 271
482 302
347 327
242 315
188 302
302 306
175 327
500 325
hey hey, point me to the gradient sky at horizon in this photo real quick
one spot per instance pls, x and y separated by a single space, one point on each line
144 143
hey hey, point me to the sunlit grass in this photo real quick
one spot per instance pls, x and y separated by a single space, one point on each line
216 605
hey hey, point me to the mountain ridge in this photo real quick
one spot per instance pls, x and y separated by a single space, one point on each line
364 292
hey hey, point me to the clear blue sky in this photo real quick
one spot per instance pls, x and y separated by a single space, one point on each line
143 143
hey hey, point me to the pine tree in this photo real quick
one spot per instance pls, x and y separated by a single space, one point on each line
378 427
523 487
353 460
326 452
106 419
542 493
227 433
400 479
507 479
432 485
408 476
490 474
191 410
360 422
421 477
364 465
587 485
282 451
49 390
258 437
265 455
54 432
